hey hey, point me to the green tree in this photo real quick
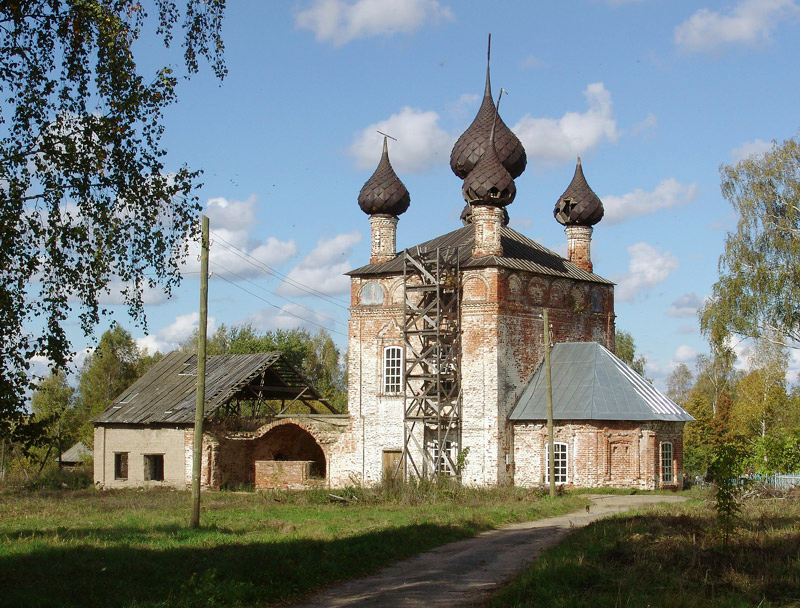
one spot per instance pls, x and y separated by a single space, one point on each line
626 350
53 405
85 198
680 383
111 368
758 290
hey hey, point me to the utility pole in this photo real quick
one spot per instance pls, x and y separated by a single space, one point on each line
197 458
551 465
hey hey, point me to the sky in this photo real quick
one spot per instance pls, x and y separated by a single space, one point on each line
654 97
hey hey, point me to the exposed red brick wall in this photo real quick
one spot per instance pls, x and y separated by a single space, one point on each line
282 474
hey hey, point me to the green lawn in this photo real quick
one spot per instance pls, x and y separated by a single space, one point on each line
670 557
133 548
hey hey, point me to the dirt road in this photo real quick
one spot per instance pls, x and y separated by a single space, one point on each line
465 572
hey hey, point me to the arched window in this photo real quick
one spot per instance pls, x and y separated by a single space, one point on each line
667 472
392 370
560 462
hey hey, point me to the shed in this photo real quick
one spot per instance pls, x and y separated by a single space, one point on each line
253 403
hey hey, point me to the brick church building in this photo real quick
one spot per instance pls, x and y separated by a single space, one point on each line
445 344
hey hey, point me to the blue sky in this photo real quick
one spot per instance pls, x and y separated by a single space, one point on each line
654 96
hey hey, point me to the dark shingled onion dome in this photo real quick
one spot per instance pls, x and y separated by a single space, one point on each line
466 215
489 183
474 142
384 193
579 205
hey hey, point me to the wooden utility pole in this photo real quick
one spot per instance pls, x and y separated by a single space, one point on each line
197 458
551 465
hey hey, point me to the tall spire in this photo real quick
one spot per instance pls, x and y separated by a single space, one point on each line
474 141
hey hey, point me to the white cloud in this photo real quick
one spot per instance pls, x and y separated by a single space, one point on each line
685 306
339 22
532 62
170 337
669 193
115 294
646 126
550 141
757 147
421 142
750 22
685 354
323 269
230 223
290 316
648 267
686 329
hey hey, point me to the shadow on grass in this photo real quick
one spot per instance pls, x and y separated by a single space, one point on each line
223 575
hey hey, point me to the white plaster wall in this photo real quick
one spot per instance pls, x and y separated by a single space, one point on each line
138 441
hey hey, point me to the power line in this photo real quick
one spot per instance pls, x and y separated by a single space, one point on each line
291 314
256 285
293 282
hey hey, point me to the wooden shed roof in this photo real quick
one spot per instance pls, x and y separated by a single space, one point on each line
167 392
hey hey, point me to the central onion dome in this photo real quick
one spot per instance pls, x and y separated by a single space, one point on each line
474 142
489 183
384 193
579 205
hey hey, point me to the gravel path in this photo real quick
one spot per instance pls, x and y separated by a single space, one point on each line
465 572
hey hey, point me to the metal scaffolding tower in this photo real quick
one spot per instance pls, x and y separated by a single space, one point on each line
432 378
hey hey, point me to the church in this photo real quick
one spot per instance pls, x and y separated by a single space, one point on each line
446 343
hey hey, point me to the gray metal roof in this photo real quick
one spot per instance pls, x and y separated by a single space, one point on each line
167 392
519 253
591 383
76 453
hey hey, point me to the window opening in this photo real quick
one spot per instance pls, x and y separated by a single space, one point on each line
392 370
120 465
560 463
667 473
154 467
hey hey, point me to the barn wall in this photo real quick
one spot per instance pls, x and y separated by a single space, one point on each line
624 454
136 442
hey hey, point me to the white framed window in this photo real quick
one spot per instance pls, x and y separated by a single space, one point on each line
392 370
560 462
667 472
448 455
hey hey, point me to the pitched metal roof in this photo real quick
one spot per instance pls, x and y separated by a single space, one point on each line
167 392
591 383
76 453
519 253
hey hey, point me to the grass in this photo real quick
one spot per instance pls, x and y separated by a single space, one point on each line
133 548
670 558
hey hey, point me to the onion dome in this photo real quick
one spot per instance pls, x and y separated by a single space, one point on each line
489 183
473 143
579 205
384 193
466 215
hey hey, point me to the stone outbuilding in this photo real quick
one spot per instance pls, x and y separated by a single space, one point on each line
264 426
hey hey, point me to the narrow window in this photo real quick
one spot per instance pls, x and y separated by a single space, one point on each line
559 462
667 473
446 458
392 370
120 465
154 467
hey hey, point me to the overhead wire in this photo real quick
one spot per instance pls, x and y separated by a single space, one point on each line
270 270
281 309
